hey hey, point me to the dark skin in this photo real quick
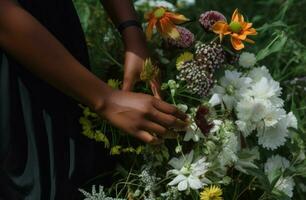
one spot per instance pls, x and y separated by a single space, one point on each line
139 115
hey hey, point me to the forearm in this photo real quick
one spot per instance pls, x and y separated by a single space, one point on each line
133 37
31 44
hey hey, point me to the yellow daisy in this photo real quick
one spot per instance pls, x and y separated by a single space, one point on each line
211 193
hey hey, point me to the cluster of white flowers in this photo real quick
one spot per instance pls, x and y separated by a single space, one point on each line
145 5
255 97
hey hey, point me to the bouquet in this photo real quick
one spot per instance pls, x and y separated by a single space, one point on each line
240 142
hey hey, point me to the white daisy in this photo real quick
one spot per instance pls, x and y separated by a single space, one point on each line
257 73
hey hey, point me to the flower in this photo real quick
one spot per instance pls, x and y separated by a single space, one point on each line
165 21
193 133
145 5
184 57
211 193
272 166
188 174
209 18
238 29
184 3
198 79
210 56
230 89
185 40
149 71
247 60
202 121
113 83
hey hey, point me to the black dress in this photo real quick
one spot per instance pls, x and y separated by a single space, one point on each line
42 152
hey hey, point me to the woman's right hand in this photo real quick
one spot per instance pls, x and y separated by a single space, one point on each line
142 116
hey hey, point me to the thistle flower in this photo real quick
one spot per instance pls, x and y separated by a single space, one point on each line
209 18
211 193
210 56
198 79
184 57
185 40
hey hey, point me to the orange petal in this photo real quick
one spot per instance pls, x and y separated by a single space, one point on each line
168 29
239 36
251 31
176 18
237 44
237 17
221 28
249 41
150 27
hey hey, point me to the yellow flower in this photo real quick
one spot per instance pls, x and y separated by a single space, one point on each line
238 29
116 150
184 57
165 22
149 71
211 193
113 83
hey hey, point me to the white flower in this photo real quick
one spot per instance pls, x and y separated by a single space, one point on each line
273 137
193 133
182 3
257 73
251 109
247 60
217 125
182 107
245 127
188 174
232 85
291 120
230 147
275 163
146 5
265 89
284 184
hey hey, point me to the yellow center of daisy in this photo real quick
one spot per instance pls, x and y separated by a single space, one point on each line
235 27
159 12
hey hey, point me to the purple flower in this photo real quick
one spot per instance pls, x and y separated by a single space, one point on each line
209 18
186 38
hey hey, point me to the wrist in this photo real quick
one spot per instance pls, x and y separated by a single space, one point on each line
98 103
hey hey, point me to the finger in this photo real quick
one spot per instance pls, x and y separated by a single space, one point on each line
128 84
155 88
169 109
167 120
154 128
148 138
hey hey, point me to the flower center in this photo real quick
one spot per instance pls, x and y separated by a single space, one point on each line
235 27
159 12
230 90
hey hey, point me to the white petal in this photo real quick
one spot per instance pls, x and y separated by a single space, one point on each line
194 183
177 179
215 100
183 185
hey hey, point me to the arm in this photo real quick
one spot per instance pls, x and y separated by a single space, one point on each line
134 41
30 43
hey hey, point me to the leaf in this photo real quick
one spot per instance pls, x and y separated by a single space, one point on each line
276 45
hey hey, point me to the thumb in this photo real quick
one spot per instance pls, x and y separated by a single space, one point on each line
128 84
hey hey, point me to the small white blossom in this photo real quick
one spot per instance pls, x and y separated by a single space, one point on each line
193 133
188 174
247 60
257 73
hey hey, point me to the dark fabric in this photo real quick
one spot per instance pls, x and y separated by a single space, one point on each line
42 152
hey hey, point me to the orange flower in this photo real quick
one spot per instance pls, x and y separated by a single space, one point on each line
238 29
165 22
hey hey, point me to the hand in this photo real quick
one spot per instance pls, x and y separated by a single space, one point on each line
142 116
132 69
